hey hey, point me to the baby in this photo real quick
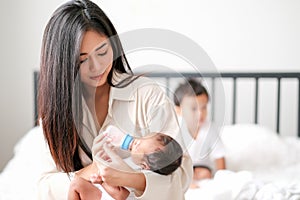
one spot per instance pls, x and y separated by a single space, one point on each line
157 152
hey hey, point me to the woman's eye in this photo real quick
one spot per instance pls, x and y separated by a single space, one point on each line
82 61
102 54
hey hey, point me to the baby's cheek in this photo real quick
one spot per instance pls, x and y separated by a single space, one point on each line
136 158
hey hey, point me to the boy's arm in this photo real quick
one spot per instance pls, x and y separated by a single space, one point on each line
220 163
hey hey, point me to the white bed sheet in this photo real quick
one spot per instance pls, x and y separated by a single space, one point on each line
258 160
261 165
242 185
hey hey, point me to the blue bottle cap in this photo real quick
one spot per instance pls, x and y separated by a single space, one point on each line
126 142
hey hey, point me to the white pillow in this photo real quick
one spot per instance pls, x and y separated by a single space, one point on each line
252 147
19 177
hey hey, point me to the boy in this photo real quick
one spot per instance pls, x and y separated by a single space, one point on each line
205 148
158 152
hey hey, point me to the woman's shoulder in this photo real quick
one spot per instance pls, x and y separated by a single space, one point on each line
140 88
141 84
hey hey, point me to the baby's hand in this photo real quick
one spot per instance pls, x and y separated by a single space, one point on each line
96 178
117 192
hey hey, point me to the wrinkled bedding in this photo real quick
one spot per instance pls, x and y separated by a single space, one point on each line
243 186
260 165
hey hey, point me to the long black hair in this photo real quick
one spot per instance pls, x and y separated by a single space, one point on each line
59 95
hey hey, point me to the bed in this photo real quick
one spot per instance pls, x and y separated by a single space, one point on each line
262 158
262 163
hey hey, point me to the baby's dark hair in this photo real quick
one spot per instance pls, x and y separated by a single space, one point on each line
166 160
191 87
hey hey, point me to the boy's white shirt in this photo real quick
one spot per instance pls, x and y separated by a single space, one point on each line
206 147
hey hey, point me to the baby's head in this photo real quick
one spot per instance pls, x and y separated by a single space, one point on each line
159 153
191 99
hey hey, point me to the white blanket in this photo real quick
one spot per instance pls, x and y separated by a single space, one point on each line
241 185
261 166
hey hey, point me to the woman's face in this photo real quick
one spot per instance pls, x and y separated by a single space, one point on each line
96 57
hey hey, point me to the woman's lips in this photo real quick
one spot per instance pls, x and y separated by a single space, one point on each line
97 78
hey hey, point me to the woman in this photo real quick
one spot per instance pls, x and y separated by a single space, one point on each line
86 84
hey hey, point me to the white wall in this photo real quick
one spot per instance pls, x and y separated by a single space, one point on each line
238 35
250 35
22 26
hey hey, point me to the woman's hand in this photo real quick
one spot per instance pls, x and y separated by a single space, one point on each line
92 168
116 172
98 144
111 166
117 192
81 189
112 169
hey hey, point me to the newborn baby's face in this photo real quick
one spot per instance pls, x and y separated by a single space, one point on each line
143 146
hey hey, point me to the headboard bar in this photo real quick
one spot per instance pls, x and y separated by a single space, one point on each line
35 91
277 75
213 76
228 75
234 101
256 100
278 104
299 107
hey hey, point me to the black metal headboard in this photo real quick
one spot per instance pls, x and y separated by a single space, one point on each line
35 91
235 76
214 76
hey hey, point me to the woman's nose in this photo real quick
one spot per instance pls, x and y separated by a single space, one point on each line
93 64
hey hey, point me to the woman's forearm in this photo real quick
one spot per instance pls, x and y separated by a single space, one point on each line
135 180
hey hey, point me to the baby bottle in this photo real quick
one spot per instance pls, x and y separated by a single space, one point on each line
118 138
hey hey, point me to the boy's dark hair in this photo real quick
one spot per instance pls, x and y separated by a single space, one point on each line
191 87
166 160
